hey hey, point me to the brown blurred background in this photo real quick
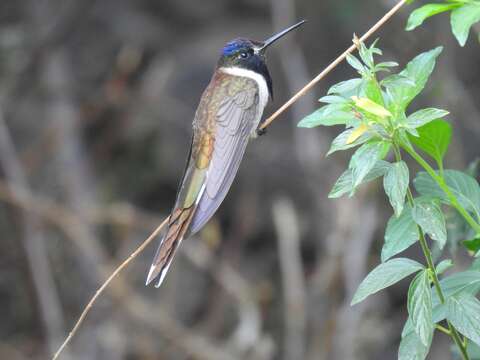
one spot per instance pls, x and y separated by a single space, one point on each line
96 103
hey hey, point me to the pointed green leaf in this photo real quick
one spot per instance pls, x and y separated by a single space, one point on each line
344 184
434 138
365 158
429 216
439 313
412 348
329 115
462 20
373 92
401 233
333 99
420 307
465 188
465 281
424 116
341 143
384 275
348 87
400 92
355 63
418 16
464 313
395 183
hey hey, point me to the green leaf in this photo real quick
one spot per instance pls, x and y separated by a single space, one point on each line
418 16
464 313
341 143
462 20
443 265
365 158
329 115
463 186
344 184
472 244
429 216
439 313
366 54
465 281
355 63
399 93
412 348
373 92
395 183
420 307
401 233
434 138
422 117
346 87
333 99
384 275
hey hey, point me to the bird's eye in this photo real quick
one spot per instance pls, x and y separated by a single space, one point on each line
243 55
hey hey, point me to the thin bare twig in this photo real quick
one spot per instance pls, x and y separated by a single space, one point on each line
132 256
192 343
332 66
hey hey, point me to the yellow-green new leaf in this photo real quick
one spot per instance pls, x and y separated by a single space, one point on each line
371 107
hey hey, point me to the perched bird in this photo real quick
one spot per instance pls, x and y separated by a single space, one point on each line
228 115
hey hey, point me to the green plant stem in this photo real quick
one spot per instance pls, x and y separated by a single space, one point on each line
442 329
441 182
452 332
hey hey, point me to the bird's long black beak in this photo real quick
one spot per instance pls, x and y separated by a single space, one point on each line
277 36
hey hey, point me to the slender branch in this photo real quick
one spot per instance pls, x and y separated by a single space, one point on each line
87 308
332 66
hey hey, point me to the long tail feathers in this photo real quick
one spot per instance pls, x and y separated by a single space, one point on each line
177 228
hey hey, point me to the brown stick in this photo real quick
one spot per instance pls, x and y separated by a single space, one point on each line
332 66
132 256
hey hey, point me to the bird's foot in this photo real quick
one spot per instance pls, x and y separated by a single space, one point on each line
261 131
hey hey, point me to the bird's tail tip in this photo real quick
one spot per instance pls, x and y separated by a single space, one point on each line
157 271
152 274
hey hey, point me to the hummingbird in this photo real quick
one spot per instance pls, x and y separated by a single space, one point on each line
228 115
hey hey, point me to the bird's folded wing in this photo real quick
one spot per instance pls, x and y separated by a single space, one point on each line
236 118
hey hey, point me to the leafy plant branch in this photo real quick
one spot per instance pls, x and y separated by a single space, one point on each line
375 115
451 331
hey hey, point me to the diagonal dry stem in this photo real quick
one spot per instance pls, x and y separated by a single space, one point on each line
100 290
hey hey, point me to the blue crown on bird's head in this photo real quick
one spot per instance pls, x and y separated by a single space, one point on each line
235 45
